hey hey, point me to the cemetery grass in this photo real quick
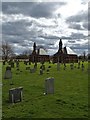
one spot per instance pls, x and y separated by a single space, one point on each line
70 98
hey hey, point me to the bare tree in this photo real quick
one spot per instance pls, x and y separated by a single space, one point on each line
27 52
7 51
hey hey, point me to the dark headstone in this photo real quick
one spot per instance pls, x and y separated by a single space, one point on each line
27 68
49 66
17 64
12 64
41 71
64 66
43 67
3 62
32 70
15 95
82 67
8 68
47 71
17 69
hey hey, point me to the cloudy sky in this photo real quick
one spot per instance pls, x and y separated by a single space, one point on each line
24 23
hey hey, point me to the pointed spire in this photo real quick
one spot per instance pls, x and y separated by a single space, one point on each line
60 44
34 47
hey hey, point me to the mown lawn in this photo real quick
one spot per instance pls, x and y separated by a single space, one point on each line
70 99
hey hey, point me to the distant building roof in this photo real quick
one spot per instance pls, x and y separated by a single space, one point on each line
70 51
42 52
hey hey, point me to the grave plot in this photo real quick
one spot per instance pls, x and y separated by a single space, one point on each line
32 70
8 74
15 95
41 72
58 66
27 68
72 66
49 86
82 67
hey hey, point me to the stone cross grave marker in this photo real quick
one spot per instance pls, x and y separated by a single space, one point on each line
49 86
15 95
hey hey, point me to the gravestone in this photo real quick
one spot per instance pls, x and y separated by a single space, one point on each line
8 74
49 66
29 63
43 67
18 69
47 71
64 67
9 62
79 65
71 66
41 71
26 62
15 95
58 66
49 86
82 67
17 64
3 62
35 65
32 70
12 64
27 68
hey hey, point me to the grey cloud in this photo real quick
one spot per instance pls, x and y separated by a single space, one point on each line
74 36
15 28
80 17
78 36
78 46
18 32
45 9
86 25
49 37
84 1
17 7
12 0
71 41
34 9
75 26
